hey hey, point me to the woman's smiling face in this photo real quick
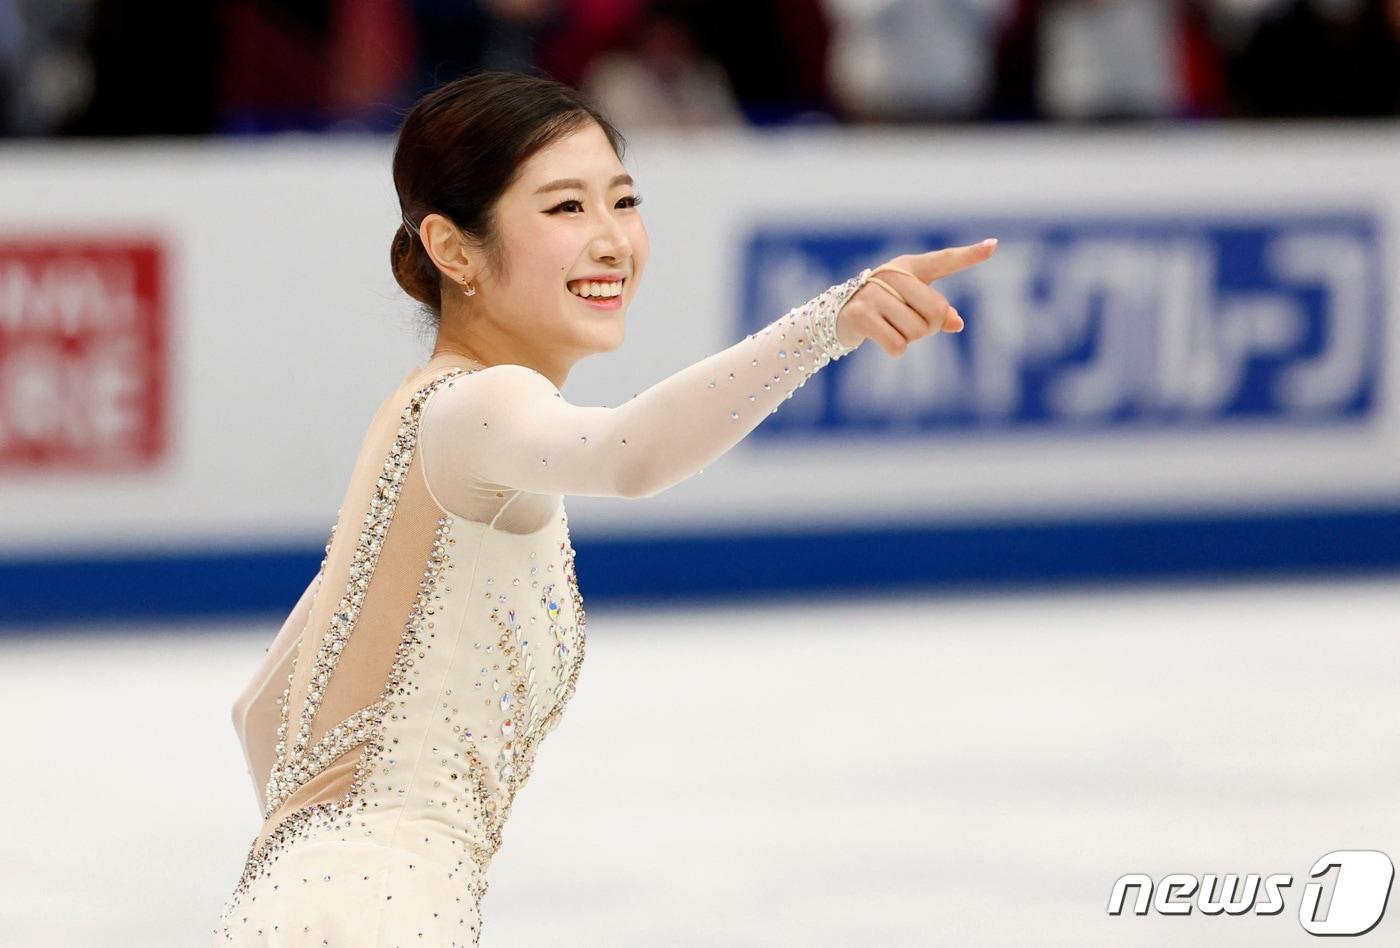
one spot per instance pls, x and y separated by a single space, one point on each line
570 215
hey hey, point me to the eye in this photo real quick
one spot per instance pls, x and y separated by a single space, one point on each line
631 200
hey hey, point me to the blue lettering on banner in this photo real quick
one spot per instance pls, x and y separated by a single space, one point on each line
1096 323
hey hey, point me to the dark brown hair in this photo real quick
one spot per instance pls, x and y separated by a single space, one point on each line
459 149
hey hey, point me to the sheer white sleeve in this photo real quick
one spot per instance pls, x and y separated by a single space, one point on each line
256 712
508 424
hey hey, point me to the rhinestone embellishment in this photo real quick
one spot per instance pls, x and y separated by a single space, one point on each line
295 763
821 314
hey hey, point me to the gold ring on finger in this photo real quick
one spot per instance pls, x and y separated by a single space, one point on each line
897 295
890 266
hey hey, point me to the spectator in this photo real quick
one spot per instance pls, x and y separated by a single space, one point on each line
661 78
918 59
1110 59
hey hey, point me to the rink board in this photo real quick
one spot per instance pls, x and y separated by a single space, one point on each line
1178 362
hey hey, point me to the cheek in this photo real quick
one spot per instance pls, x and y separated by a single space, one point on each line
641 243
543 257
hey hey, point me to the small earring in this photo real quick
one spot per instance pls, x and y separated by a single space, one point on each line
470 290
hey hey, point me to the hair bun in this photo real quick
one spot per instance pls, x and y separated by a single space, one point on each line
412 269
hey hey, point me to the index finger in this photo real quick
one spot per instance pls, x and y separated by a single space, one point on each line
936 264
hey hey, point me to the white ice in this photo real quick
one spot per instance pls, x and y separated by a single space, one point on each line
922 770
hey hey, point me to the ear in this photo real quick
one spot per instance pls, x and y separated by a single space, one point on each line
456 257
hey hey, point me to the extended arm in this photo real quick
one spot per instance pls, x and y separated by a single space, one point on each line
508 424
256 712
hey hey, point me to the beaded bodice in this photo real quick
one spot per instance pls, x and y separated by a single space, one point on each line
445 632
437 653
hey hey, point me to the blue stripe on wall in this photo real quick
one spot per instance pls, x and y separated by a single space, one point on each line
213 583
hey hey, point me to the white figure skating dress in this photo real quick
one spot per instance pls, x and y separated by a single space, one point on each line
400 708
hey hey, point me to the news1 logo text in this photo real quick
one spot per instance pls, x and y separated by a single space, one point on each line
1359 881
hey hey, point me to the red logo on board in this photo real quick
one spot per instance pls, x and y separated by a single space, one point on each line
83 372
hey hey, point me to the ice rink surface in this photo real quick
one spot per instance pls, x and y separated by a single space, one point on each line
931 770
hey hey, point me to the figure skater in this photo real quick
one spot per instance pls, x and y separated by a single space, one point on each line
400 707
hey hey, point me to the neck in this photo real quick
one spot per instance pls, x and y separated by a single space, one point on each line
483 347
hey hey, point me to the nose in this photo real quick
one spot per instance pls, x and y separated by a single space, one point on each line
611 243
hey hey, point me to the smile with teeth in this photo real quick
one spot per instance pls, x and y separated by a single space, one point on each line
595 288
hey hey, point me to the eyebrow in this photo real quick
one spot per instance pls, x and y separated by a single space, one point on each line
566 183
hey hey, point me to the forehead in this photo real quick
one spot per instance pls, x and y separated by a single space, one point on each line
583 153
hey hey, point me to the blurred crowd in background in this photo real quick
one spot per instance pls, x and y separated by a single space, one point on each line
133 67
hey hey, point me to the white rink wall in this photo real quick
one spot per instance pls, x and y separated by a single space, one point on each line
1180 325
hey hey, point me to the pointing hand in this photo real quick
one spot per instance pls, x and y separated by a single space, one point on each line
897 305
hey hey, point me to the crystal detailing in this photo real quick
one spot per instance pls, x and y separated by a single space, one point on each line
331 818
520 663
822 310
295 764
550 602
296 649
467 781
335 742
580 623
520 740
299 825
